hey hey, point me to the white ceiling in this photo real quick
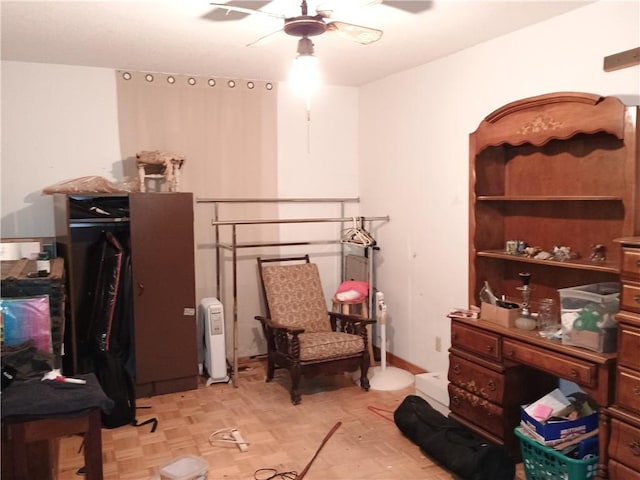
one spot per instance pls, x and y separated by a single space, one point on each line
191 37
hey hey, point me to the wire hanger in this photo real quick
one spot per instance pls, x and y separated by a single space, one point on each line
357 234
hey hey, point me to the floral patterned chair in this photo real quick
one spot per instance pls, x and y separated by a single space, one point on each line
302 335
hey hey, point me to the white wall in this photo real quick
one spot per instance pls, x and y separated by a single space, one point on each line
58 122
317 158
414 129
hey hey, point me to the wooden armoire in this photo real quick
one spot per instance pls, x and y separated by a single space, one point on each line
156 230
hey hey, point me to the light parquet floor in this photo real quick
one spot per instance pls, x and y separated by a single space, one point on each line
281 435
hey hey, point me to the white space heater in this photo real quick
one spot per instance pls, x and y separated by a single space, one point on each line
215 357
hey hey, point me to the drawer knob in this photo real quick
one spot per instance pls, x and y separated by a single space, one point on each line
636 391
492 385
637 298
455 400
456 368
454 335
511 353
573 373
489 348
635 447
638 263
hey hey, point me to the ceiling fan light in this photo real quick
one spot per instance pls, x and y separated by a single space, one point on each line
305 75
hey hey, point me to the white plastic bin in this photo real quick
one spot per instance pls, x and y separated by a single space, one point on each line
189 467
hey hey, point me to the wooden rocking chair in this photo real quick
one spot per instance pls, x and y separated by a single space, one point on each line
302 335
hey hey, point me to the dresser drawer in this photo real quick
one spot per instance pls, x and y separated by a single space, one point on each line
628 389
476 379
630 296
624 444
618 471
477 410
582 373
629 347
631 262
477 341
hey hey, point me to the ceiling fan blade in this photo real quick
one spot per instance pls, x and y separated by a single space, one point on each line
357 33
327 9
263 38
324 12
251 11
366 3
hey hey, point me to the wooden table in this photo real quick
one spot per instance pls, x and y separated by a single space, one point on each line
35 414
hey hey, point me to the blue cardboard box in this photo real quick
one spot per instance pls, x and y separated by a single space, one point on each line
553 432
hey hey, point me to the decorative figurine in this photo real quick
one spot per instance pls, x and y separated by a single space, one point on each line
159 165
562 253
543 255
532 251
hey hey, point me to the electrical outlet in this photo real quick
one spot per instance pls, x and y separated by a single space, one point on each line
438 344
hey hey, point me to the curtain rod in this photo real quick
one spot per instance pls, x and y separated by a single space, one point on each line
276 200
296 220
230 246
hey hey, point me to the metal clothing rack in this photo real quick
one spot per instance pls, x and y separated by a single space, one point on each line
234 245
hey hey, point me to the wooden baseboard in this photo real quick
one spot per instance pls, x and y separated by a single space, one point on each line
391 360
399 362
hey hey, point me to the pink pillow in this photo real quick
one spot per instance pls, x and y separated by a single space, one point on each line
352 291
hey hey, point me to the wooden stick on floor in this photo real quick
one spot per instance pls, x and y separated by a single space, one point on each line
325 440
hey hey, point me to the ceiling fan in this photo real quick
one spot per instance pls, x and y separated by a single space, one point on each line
306 25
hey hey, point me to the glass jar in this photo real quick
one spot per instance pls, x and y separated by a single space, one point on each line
43 264
548 322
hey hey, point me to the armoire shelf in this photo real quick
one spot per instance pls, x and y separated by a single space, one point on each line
547 198
579 264
84 222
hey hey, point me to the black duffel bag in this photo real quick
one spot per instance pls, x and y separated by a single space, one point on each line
451 444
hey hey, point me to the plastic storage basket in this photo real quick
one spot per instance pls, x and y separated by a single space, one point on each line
545 463
189 467
588 315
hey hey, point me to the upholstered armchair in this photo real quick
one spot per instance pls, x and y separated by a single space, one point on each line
301 334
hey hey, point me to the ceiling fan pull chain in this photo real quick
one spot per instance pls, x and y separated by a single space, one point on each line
308 130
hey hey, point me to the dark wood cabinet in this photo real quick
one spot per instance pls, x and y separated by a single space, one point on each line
620 424
157 229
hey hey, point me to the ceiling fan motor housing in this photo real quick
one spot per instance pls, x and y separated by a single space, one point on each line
304 26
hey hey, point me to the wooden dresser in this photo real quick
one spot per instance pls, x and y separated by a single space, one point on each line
493 370
620 424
